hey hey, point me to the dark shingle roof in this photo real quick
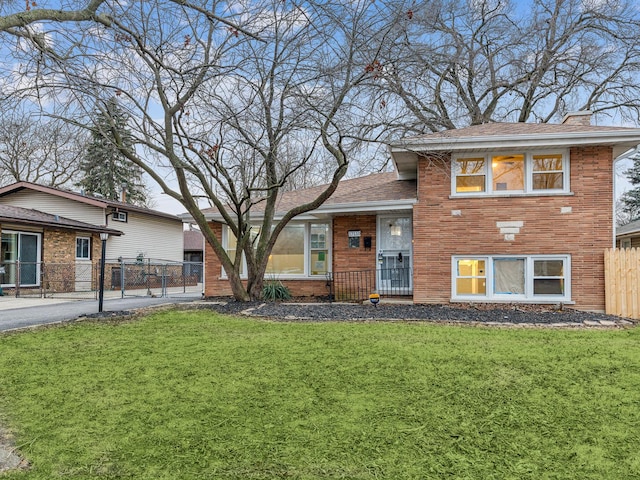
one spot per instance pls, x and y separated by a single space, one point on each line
631 227
498 129
377 187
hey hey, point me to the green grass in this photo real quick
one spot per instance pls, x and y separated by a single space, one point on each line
195 395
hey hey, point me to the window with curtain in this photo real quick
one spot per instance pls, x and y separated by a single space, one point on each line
531 277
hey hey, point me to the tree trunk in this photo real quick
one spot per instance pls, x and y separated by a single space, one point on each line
237 287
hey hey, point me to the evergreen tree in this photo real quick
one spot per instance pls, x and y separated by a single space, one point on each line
105 169
631 199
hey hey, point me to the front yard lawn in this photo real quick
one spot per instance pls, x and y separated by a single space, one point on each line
196 395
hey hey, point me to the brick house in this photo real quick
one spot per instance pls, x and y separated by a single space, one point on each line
501 212
33 237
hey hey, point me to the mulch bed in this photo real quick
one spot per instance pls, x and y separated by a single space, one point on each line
521 314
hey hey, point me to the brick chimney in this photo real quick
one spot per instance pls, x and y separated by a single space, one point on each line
578 118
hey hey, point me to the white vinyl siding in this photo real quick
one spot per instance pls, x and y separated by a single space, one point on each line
153 237
56 205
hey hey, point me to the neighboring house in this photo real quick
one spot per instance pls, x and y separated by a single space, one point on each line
193 252
30 238
502 212
628 236
146 233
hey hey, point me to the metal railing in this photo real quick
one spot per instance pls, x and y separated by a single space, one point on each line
356 286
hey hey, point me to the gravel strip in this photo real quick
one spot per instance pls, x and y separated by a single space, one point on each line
480 314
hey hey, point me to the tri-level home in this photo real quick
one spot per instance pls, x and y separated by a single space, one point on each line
500 212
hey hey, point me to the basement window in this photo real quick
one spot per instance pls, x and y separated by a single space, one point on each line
512 278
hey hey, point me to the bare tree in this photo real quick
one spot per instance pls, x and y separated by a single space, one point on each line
38 150
225 106
456 63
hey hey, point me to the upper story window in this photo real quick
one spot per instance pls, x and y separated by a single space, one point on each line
517 173
120 216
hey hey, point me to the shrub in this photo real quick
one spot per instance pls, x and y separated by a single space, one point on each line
274 290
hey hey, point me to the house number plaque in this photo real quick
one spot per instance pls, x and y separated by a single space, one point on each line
354 238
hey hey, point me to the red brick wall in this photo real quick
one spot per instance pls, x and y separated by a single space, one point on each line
214 285
347 259
584 233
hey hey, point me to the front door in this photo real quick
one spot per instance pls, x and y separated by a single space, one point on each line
395 234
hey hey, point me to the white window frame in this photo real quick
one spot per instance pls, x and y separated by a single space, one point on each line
528 295
88 239
38 256
120 216
625 243
528 174
307 252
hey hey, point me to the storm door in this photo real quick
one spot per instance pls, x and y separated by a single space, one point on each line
395 234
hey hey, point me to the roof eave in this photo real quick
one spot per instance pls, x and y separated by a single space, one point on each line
328 209
630 137
52 191
78 197
44 224
405 153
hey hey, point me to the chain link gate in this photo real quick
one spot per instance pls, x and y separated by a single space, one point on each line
135 277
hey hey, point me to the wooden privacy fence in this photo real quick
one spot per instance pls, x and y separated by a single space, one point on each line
622 281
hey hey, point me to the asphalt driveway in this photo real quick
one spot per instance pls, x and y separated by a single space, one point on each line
16 313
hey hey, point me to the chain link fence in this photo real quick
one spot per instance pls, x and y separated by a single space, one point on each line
140 277
123 277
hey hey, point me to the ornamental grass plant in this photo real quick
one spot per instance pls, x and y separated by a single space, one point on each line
197 395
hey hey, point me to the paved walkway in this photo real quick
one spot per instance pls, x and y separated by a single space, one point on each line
23 312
